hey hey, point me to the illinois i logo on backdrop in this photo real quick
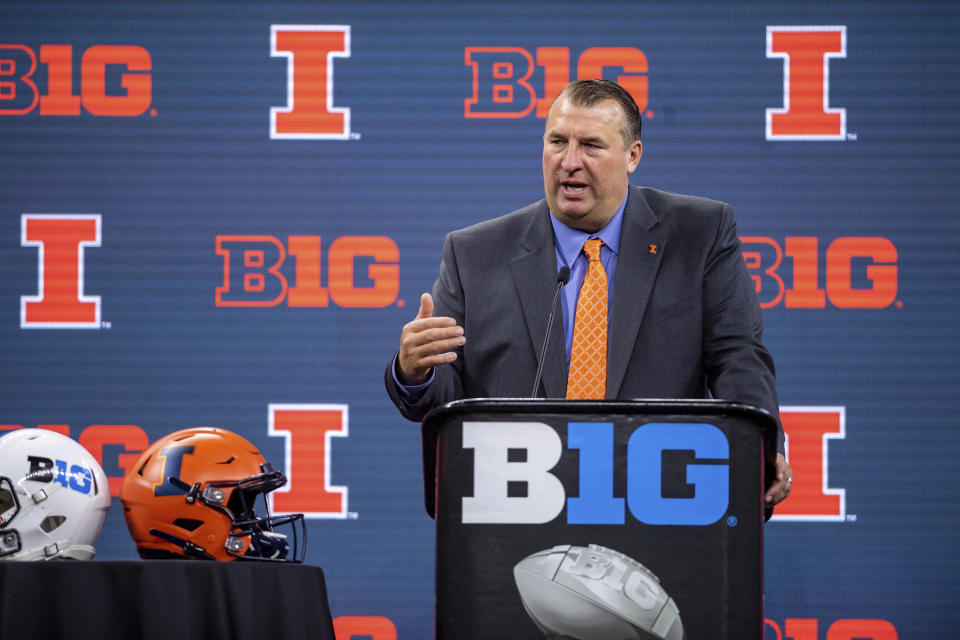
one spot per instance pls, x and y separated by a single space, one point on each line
61 301
307 431
310 50
806 113
809 431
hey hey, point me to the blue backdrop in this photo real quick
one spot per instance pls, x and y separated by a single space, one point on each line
207 263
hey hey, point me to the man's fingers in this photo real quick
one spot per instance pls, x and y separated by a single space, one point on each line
781 488
438 359
423 354
434 333
427 342
776 493
419 325
426 306
432 347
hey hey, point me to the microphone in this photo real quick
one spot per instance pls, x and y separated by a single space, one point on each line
562 277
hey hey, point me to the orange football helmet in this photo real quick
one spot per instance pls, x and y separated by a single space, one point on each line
192 493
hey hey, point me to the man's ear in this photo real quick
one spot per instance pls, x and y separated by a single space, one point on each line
634 152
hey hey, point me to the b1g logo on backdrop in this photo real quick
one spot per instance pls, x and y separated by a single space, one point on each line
807 628
806 113
60 301
252 275
115 80
503 85
310 50
858 272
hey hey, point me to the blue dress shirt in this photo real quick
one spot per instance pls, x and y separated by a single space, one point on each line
569 243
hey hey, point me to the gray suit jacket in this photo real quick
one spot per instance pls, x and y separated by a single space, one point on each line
684 319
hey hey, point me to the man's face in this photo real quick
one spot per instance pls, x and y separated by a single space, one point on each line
585 166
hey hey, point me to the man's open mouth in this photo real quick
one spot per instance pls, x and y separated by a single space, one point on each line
573 187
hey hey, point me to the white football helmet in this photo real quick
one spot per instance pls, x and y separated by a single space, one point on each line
54 497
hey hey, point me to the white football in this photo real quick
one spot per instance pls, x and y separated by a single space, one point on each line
595 593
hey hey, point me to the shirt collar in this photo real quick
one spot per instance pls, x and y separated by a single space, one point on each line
570 241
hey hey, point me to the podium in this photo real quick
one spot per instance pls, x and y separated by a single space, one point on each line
598 519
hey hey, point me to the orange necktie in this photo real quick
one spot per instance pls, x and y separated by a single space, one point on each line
588 355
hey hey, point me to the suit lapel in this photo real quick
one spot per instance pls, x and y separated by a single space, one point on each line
534 271
642 242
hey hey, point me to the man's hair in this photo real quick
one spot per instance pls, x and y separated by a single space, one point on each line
587 93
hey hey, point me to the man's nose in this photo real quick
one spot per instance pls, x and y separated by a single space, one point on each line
572 158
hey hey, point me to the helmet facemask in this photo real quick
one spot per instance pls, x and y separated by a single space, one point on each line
253 537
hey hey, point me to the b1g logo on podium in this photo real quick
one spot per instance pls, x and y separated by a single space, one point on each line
513 483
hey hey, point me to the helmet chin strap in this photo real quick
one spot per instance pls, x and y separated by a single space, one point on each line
79 552
190 550
60 550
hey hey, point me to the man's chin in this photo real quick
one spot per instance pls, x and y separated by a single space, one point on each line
576 219
573 209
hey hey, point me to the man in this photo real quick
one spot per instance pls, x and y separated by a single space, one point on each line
682 315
